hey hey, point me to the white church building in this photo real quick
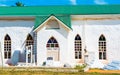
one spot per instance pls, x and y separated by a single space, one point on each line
63 34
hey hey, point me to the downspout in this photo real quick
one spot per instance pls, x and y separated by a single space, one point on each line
84 40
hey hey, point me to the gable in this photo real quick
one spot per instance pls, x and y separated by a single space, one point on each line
65 19
52 24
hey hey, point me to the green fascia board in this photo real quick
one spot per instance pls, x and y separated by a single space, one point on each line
66 19
64 10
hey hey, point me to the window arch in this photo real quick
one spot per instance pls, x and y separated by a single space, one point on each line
52 44
7 47
102 47
52 49
29 40
78 47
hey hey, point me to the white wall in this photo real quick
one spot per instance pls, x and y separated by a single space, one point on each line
77 28
89 30
17 30
109 27
44 35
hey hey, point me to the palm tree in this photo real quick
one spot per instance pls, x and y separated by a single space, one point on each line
19 4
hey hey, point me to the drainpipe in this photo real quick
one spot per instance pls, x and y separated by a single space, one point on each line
84 40
85 32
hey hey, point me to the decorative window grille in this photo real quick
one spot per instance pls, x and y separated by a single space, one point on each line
102 48
7 47
78 47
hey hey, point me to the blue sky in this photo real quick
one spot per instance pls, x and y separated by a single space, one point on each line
57 2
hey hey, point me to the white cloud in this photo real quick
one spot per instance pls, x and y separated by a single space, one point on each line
3 5
100 2
73 2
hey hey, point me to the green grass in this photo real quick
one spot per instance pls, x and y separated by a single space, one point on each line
28 71
48 73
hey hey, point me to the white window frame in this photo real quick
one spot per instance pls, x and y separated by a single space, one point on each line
7 47
52 44
78 47
102 48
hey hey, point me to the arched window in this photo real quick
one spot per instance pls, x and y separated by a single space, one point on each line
102 47
7 47
29 40
78 47
52 49
52 44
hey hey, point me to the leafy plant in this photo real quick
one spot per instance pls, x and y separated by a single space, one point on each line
80 67
44 63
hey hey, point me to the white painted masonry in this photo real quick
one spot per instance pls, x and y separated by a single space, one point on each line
89 27
18 31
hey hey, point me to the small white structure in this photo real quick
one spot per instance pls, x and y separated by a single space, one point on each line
44 33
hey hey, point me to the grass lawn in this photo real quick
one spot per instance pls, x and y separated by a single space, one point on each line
48 73
14 71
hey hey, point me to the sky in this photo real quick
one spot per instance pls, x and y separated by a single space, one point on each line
58 2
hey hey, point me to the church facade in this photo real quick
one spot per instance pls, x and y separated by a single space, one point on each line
61 34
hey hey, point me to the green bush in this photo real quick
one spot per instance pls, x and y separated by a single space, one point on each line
44 63
80 67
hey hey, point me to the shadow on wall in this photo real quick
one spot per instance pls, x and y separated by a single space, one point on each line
63 32
9 62
22 56
103 22
19 23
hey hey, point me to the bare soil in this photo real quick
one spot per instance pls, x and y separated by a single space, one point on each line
103 71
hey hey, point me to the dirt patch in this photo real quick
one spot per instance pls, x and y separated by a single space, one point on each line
104 71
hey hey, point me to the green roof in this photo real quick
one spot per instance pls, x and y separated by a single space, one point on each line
64 10
63 18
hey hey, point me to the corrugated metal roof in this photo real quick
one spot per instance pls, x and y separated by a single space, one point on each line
64 10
